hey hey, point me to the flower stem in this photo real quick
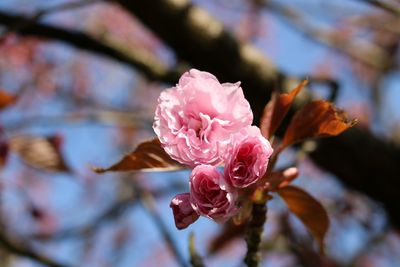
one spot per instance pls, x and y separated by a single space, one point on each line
254 233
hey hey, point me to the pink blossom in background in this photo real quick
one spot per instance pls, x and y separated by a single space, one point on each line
184 214
195 119
247 157
209 195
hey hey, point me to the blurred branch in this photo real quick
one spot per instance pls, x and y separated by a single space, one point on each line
201 40
195 258
302 247
63 7
367 53
22 250
114 211
47 11
148 203
384 5
107 117
152 69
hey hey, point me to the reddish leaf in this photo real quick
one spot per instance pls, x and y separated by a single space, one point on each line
316 119
6 99
148 156
308 210
276 110
40 152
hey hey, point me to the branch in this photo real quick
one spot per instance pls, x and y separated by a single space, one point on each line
141 61
254 234
89 229
200 39
384 6
367 53
24 251
148 202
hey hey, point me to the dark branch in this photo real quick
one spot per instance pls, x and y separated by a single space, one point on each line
384 5
21 250
198 38
30 27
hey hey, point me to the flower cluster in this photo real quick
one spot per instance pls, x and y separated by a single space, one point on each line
203 124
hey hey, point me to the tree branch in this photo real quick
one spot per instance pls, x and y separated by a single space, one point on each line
141 61
23 251
368 53
200 39
384 5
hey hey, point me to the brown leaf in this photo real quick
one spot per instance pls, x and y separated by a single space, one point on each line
147 156
308 210
40 152
276 110
229 233
6 99
317 119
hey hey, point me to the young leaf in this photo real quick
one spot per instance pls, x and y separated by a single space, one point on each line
276 109
308 210
6 99
147 156
317 119
42 153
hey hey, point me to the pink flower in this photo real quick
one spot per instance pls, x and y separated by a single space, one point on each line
184 214
195 119
247 158
209 196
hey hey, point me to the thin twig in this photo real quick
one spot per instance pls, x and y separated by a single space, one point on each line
141 61
20 25
63 7
114 211
148 202
22 250
365 52
103 117
195 258
395 10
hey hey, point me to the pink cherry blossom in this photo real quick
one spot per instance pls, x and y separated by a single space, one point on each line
184 214
247 158
209 195
195 119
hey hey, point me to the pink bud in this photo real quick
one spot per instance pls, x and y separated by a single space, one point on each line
184 214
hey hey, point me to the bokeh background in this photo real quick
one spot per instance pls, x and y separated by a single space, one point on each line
80 79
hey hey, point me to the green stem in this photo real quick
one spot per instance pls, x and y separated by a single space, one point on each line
254 233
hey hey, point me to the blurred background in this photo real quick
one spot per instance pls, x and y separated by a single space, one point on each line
79 82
